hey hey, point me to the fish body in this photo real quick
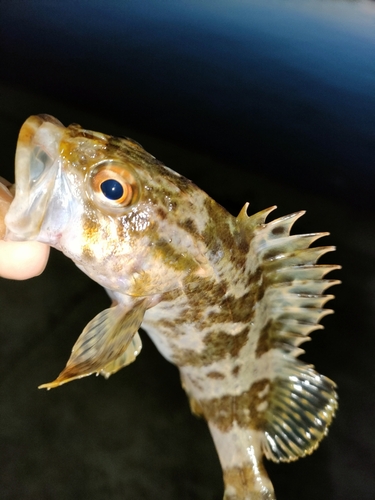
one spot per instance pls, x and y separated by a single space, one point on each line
229 300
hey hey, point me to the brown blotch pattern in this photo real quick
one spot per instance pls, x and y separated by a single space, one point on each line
166 323
217 225
167 253
90 223
87 253
161 213
218 346
261 288
216 375
241 309
267 339
195 407
189 226
172 295
202 292
279 230
90 229
271 254
234 238
226 410
243 480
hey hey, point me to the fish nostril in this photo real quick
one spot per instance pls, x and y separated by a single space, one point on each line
39 161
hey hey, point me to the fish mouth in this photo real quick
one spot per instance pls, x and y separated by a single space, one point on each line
37 164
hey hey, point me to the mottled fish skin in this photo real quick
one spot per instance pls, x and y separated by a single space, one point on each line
228 300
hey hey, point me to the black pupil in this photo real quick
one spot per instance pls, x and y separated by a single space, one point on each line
112 189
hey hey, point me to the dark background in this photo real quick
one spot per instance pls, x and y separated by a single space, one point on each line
262 101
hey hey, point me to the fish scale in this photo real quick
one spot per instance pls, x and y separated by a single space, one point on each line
229 300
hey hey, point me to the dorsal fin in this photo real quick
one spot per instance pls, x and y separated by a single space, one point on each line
298 404
255 220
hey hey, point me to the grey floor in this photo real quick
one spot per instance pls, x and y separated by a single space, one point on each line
133 436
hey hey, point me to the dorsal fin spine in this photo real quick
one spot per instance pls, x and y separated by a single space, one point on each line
301 403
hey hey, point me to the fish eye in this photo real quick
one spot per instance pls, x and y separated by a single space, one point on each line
113 185
112 189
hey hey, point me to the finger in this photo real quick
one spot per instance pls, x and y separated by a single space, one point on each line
21 260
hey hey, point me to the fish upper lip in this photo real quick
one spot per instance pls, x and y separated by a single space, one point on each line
42 134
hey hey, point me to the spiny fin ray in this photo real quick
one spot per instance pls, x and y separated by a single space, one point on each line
125 359
253 221
300 403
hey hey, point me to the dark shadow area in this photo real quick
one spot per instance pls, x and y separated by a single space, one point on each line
285 89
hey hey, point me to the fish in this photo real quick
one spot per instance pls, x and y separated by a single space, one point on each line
228 300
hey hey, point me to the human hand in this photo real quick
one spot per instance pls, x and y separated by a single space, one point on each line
19 260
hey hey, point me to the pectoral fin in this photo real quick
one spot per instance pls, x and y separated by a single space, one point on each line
134 348
109 342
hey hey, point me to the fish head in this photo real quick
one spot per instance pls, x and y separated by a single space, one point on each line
106 203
